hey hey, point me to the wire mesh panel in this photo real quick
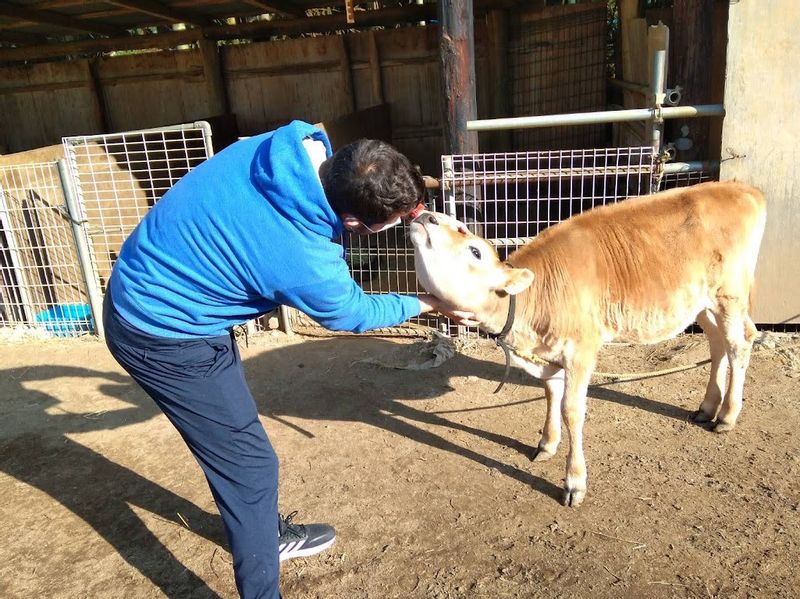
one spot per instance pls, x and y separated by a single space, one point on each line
118 177
557 64
510 198
683 179
380 263
42 286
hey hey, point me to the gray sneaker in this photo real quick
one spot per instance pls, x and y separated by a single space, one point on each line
302 540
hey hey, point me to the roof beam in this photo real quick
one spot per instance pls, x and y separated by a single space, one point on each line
386 16
131 42
22 39
155 9
325 23
18 11
280 6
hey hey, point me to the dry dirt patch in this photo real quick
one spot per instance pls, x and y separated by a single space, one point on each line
425 475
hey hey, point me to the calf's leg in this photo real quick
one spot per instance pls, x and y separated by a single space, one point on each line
718 379
739 333
578 375
551 433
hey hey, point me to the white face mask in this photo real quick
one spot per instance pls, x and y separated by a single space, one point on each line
383 227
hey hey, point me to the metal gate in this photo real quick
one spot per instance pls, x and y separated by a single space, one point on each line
510 198
506 198
62 223
116 178
41 284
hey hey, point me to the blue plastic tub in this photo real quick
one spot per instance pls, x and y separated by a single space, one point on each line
67 320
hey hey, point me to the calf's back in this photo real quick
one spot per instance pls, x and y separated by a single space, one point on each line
644 268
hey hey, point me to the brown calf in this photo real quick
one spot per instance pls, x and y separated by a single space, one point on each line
641 270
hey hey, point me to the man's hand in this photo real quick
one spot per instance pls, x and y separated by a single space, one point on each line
431 303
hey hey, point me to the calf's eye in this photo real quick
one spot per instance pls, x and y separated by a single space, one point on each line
475 252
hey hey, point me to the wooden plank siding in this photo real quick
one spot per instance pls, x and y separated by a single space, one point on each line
41 103
267 84
272 83
151 90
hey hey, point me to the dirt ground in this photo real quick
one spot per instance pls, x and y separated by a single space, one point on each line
425 475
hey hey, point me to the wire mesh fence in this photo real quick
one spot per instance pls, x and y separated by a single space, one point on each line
42 284
683 179
115 179
507 198
380 263
510 198
557 64
118 177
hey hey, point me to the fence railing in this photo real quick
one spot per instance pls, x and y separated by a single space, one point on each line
62 223
42 288
61 236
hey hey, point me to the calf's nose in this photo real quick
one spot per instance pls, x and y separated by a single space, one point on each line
426 218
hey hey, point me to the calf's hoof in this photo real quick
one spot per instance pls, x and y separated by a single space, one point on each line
723 427
541 455
573 497
701 416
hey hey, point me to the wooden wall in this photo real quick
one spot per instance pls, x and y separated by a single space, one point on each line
266 84
150 90
759 141
41 103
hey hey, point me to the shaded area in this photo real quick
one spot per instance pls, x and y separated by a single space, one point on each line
313 381
96 489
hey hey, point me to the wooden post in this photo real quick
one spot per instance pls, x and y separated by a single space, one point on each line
692 32
98 99
215 83
347 74
375 69
498 59
457 51
349 12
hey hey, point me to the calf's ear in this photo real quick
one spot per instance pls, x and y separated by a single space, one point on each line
516 280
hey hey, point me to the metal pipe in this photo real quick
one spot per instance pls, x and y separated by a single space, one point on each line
448 194
691 167
659 77
657 84
207 136
637 88
594 118
82 247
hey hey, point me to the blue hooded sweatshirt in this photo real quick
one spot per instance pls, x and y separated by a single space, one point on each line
245 231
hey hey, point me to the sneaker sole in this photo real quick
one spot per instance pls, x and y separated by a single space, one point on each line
306 552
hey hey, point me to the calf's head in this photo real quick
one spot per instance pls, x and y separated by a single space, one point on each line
459 267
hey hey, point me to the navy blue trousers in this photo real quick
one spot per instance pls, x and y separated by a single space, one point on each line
200 385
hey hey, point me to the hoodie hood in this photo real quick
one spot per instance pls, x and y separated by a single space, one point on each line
283 173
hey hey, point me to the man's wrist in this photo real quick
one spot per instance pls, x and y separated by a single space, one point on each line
427 303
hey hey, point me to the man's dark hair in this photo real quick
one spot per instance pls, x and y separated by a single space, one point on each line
372 180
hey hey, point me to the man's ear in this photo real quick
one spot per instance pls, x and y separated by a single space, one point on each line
350 222
516 280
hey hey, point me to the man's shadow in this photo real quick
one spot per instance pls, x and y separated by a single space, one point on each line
326 381
100 492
